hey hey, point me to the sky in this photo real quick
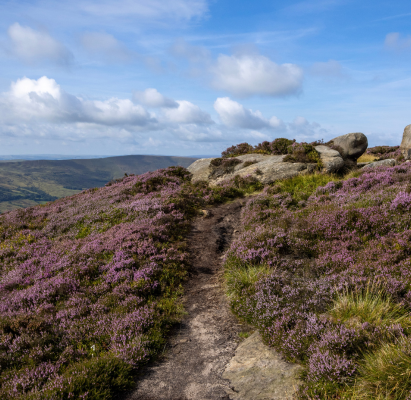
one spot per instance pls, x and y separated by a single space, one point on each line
193 77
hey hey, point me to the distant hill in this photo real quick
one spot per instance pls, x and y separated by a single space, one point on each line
27 183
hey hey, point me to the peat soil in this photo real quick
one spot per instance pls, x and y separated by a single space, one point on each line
200 347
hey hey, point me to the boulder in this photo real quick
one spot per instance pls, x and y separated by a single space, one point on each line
200 169
390 162
406 143
351 146
269 171
258 372
330 158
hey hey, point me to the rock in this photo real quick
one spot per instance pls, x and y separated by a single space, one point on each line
257 372
388 162
269 171
330 158
406 143
362 164
351 146
200 169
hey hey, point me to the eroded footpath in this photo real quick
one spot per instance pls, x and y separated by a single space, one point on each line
203 344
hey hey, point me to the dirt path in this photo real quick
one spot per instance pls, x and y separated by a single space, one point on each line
205 341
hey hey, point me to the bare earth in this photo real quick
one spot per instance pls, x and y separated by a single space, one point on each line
205 341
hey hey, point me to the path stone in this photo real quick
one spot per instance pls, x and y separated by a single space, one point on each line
258 372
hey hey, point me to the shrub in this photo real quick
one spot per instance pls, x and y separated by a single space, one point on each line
237 150
90 284
319 241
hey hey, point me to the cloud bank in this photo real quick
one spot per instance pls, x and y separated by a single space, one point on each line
42 109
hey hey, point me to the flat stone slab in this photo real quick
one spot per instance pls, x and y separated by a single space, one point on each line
258 372
390 162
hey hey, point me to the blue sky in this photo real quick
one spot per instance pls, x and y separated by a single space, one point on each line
190 77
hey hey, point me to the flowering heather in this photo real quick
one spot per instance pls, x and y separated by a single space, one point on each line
335 278
385 152
90 283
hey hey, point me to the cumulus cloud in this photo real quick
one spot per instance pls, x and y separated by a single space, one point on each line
43 99
253 74
152 98
187 113
34 46
395 41
234 114
101 43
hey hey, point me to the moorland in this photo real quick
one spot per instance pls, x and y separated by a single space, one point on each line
30 182
91 283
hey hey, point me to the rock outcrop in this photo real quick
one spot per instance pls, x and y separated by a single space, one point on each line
330 158
388 162
257 372
406 143
267 169
351 147
270 168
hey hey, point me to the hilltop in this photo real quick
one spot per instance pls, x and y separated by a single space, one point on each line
27 183
317 262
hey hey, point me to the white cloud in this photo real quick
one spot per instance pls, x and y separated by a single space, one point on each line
187 113
152 98
234 114
395 41
152 9
43 99
248 75
33 46
106 45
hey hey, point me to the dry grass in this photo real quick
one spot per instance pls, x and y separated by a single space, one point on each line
367 158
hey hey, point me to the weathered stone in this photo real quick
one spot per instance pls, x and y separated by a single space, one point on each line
351 146
269 171
257 372
406 143
362 164
200 169
330 158
388 162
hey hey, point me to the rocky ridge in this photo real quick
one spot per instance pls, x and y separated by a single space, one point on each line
341 152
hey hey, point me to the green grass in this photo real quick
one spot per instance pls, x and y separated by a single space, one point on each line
301 187
240 276
371 305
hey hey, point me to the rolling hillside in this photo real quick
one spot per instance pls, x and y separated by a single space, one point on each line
27 183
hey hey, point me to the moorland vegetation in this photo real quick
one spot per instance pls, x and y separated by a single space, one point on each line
90 284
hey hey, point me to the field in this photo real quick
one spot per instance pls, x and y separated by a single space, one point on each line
27 183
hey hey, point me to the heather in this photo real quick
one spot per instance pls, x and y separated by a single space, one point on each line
379 153
293 151
323 271
90 284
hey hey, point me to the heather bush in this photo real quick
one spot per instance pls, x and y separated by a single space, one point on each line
384 152
90 284
294 152
329 283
